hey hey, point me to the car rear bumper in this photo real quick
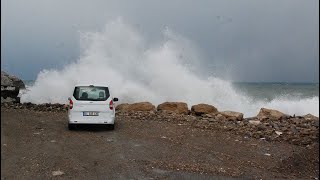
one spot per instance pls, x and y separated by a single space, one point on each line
91 121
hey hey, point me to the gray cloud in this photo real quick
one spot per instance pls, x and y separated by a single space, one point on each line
247 40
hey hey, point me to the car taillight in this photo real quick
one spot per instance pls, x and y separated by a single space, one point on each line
70 104
111 105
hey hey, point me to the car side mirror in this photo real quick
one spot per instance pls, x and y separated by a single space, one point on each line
115 99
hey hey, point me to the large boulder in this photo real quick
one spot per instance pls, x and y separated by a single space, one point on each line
265 113
176 107
122 107
310 117
141 106
200 109
10 87
232 115
10 80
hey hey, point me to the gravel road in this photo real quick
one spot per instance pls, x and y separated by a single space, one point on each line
38 145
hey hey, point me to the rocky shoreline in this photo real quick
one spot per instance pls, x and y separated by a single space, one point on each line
268 125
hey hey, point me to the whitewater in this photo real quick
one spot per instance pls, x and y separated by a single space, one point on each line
136 71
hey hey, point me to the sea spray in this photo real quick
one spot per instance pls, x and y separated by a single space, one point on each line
119 57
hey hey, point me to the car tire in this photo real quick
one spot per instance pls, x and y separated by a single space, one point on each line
111 126
71 126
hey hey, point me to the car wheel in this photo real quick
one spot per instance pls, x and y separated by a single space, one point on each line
71 126
111 127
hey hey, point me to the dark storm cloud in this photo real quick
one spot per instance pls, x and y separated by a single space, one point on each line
242 40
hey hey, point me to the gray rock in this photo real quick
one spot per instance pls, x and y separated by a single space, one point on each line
10 80
294 130
261 127
275 126
10 87
316 123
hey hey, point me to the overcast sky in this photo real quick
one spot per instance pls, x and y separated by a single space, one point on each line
269 40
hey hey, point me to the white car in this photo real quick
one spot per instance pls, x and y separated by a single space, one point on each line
91 104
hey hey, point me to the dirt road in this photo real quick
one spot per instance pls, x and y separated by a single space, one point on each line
38 145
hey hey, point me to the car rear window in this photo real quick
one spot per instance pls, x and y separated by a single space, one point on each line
91 93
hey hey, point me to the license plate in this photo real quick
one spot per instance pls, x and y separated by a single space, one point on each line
90 113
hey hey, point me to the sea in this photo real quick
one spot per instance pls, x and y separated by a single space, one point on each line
293 97
266 91
269 91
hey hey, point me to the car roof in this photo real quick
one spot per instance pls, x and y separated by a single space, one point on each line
101 85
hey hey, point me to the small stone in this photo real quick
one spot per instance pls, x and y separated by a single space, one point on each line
210 115
275 126
261 127
57 173
212 120
316 124
294 130
304 131
254 122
